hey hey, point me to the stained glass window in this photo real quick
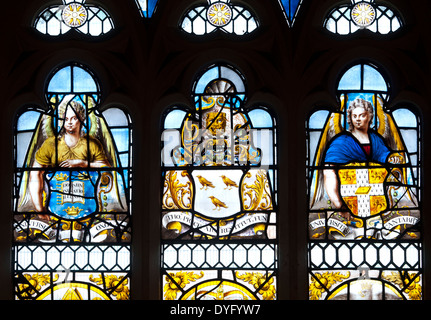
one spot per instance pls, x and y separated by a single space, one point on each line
290 9
219 15
366 14
74 14
219 197
72 194
364 180
146 7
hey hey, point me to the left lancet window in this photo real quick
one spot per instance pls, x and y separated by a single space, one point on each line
74 15
219 202
72 194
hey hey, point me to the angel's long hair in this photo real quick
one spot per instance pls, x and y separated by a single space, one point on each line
79 111
359 103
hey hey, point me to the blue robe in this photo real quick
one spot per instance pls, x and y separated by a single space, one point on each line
345 148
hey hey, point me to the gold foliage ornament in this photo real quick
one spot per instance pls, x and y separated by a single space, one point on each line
321 282
34 284
117 286
177 281
260 281
410 283
257 196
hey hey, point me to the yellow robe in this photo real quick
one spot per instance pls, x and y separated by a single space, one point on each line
46 155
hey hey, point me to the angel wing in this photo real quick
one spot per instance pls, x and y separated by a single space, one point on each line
332 128
390 133
99 130
44 130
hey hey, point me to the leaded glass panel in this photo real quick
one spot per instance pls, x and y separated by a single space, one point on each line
87 19
72 223
290 9
368 14
364 195
219 197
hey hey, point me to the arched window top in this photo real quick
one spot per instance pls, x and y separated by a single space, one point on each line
363 77
219 15
290 9
73 79
232 79
363 14
58 19
146 7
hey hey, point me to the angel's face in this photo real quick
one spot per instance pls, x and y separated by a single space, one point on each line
71 122
360 119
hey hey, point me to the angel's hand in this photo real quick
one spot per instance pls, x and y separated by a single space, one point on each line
76 163
396 159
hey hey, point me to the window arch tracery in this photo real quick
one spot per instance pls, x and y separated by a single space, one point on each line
76 15
290 9
219 205
364 186
363 14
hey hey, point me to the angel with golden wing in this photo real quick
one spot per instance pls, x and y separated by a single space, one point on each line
75 144
355 167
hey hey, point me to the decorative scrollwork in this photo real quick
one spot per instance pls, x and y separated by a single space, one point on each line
257 196
177 195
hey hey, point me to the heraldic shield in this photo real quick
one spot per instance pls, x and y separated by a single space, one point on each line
77 194
362 188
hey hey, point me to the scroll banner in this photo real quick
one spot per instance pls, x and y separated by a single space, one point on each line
346 230
207 228
45 228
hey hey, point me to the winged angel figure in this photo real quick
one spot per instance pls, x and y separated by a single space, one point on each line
359 168
64 139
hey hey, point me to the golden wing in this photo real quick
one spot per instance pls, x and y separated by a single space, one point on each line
332 128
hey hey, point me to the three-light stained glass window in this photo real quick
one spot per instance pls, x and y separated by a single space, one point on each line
364 182
72 227
219 197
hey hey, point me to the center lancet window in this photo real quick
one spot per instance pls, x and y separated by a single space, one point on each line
364 173
219 203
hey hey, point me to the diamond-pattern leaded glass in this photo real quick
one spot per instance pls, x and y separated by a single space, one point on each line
364 195
72 210
219 203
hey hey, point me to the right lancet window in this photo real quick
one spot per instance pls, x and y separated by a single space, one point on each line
363 14
364 182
